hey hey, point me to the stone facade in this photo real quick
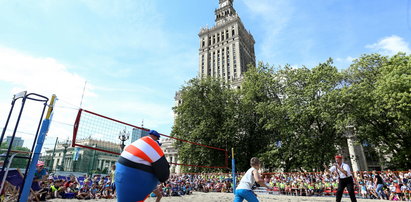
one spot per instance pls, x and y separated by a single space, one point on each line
226 48
171 154
77 159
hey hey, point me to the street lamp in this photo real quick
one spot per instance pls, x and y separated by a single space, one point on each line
65 144
123 136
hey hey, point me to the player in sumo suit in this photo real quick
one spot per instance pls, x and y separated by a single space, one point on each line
140 167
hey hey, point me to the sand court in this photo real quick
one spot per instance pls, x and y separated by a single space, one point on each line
228 197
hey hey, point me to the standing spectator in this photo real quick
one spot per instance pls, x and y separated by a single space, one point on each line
345 178
113 178
378 185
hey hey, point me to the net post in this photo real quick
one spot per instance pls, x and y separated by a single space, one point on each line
75 127
36 154
233 170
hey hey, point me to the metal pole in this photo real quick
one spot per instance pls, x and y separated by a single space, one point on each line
7 122
4 132
52 156
233 170
74 165
24 195
92 161
14 134
75 157
7 171
64 157
40 122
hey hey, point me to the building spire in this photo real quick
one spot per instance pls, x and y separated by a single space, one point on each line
225 3
224 11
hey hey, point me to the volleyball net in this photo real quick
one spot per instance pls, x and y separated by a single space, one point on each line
101 133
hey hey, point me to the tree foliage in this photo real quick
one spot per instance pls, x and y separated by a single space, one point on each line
253 137
206 117
303 117
16 162
295 118
378 98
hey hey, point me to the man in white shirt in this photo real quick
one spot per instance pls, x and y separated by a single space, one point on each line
345 178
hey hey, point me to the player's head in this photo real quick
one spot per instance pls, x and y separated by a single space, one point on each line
255 162
154 134
338 158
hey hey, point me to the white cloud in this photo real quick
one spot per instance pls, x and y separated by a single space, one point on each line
47 76
390 45
348 59
41 75
44 76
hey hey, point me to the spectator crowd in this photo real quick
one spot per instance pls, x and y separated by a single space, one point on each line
386 185
395 185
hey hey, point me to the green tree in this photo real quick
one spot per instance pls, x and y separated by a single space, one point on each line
304 117
378 97
253 138
205 116
17 162
295 118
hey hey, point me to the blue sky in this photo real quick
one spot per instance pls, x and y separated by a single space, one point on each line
134 55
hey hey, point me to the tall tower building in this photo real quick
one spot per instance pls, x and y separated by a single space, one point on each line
17 142
226 48
138 133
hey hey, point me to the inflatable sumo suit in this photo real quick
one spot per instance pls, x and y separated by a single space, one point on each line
140 167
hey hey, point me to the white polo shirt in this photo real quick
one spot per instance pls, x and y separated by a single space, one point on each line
248 180
345 167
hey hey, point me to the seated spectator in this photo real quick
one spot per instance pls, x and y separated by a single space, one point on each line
40 175
57 189
106 192
84 192
95 191
43 193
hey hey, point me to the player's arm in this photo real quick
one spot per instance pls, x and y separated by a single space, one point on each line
161 169
341 168
258 179
327 170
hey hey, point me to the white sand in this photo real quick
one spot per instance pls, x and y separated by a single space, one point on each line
226 197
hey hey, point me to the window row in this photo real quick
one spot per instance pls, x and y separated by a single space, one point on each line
218 37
